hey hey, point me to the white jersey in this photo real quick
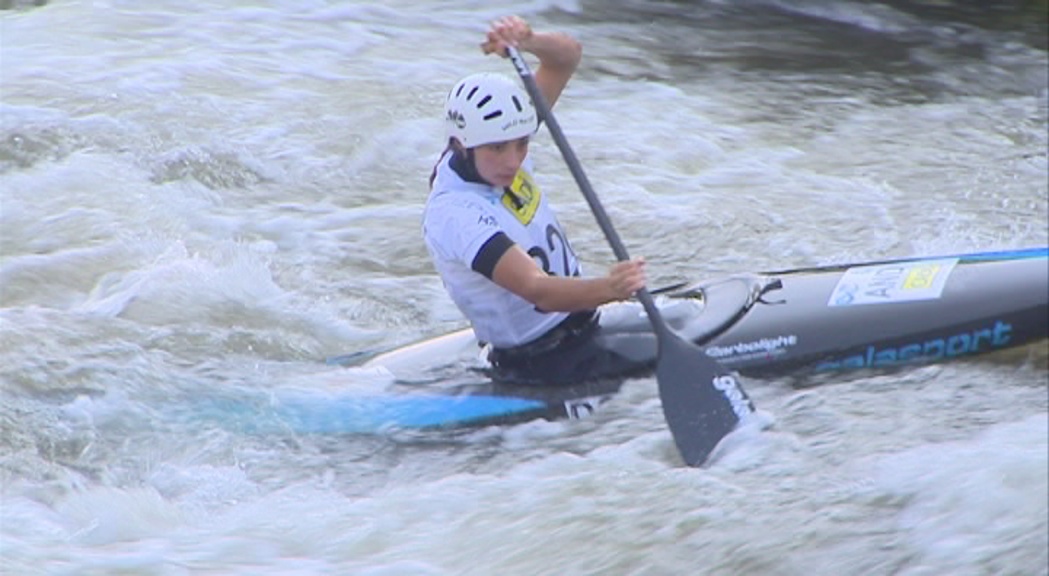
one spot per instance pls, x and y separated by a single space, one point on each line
461 216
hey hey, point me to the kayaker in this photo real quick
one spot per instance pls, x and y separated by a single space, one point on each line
495 240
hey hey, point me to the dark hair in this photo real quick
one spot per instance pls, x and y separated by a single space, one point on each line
433 173
450 147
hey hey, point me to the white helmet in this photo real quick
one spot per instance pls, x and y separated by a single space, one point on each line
487 108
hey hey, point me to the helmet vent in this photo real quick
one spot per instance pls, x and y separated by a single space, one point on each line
484 101
517 103
471 93
495 114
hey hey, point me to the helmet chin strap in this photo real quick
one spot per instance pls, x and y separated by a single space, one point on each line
464 162
465 165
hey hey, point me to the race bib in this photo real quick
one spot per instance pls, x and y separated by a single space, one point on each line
522 197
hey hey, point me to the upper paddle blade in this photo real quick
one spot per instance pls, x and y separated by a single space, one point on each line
701 402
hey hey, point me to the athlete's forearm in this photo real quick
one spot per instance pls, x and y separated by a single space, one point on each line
559 294
555 50
558 53
517 272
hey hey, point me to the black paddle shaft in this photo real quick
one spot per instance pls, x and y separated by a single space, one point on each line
702 403
576 169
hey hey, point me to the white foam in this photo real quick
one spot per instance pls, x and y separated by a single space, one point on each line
977 506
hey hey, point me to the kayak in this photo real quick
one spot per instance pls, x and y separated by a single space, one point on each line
887 314
804 323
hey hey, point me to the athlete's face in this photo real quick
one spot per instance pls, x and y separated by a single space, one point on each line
498 163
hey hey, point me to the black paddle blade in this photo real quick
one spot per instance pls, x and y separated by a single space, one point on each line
701 402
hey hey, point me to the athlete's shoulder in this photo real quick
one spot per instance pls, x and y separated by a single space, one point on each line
450 200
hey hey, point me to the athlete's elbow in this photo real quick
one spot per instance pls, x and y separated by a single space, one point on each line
545 296
567 53
574 52
547 302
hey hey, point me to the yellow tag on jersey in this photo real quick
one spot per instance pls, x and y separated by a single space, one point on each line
522 199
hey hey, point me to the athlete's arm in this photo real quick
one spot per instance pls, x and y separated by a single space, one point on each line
558 53
517 272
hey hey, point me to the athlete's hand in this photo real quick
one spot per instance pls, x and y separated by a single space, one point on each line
508 31
625 278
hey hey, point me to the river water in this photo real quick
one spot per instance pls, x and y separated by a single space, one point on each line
212 198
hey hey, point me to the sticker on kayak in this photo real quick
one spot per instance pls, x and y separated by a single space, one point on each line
896 282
